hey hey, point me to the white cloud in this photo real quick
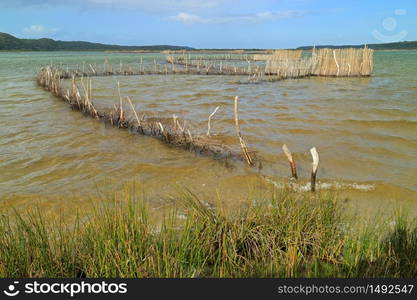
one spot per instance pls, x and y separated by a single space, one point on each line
250 18
154 6
158 4
39 29
189 19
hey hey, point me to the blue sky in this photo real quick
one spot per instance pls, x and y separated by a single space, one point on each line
212 23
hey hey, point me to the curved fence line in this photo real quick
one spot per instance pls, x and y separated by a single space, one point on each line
169 131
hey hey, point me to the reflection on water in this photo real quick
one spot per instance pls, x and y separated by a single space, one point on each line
365 130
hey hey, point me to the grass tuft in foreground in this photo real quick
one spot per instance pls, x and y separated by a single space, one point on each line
290 236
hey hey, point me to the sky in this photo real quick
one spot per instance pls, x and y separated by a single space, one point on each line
213 23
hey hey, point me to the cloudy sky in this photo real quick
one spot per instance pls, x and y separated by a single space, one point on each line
212 23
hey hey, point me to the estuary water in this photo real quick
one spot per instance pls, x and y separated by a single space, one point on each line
365 130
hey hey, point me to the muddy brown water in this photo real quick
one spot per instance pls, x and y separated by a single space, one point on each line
365 130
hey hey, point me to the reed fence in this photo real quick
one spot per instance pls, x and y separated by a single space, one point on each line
342 62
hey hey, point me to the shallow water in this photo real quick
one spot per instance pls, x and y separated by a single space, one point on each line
365 130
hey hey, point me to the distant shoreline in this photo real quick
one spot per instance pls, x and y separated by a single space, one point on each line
189 52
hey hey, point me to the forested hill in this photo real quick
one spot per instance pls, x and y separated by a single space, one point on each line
10 43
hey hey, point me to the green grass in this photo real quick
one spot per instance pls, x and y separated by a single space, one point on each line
291 235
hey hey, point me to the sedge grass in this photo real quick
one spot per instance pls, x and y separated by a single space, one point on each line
291 235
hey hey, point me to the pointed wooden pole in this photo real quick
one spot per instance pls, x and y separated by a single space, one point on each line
291 160
243 145
315 156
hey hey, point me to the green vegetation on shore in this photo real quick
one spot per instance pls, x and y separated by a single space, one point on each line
406 45
291 235
11 43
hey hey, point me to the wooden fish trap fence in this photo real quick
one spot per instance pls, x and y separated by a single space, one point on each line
170 131
281 65
285 64
210 67
278 66
289 68
172 67
342 62
132 70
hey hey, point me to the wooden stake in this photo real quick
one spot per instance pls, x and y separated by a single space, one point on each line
174 118
315 156
182 128
189 134
209 120
291 160
85 100
120 102
241 140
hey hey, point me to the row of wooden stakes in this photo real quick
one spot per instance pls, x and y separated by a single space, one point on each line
287 152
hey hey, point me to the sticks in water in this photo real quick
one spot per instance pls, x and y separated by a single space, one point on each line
121 114
243 145
209 120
